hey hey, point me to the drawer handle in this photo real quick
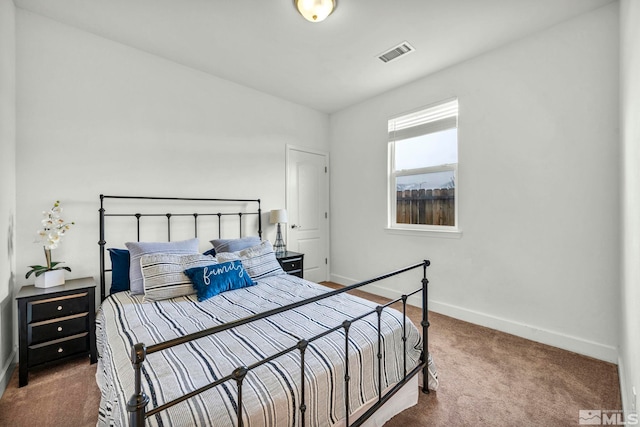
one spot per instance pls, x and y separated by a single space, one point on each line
60 350
59 307
59 328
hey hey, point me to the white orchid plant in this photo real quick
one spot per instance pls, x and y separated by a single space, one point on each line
50 235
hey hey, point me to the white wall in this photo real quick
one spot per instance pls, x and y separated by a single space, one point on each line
7 187
629 363
95 116
538 189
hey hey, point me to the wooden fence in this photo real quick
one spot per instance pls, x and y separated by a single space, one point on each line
432 207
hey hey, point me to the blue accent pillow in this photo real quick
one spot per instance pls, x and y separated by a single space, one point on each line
119 270
214 279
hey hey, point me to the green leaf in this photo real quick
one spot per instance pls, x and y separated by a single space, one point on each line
41 269
38 269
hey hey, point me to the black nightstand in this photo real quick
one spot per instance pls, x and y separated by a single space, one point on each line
292 263
56 323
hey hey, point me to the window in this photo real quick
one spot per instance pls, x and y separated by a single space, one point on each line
423 168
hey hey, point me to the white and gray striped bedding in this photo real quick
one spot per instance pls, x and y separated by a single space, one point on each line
271 393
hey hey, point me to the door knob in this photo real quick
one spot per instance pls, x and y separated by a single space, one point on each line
295 226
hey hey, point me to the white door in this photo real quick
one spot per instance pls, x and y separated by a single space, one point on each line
308 208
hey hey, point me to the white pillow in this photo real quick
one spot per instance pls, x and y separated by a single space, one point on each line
163 274
137 249
259 261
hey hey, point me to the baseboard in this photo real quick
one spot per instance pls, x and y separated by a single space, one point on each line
626 399
552 338
7 371
629 401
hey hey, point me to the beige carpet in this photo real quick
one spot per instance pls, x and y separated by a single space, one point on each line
64 395
487 378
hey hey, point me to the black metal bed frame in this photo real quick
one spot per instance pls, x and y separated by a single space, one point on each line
136 406
195 215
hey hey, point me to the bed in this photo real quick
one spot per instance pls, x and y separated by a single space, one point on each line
281 351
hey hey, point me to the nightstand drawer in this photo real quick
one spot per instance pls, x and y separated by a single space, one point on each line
57 328
46 309
292 264
58 349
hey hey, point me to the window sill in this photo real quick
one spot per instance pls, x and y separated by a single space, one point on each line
445 234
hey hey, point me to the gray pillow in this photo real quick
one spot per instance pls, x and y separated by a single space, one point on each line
234 245
163 274
259 261
137 249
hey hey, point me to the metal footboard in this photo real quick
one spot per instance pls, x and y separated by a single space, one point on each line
139 400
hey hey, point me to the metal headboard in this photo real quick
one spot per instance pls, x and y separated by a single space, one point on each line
207 203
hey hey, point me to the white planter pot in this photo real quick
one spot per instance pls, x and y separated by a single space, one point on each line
50 279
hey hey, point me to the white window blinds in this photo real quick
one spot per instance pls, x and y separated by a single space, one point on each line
429 120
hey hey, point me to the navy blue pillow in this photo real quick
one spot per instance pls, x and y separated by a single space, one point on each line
214 279
211 252
119 270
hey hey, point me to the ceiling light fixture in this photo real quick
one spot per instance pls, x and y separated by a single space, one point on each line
315 10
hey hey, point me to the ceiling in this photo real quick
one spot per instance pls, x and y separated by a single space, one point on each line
327 66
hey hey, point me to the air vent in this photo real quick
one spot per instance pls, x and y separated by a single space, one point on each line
396 52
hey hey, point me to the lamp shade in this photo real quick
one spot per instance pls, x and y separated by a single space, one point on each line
315 10
278 216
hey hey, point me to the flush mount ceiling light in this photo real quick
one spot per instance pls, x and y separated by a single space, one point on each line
315 10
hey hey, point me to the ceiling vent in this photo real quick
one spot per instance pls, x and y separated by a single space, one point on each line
396 52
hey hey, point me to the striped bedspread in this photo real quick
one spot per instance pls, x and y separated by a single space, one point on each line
271 393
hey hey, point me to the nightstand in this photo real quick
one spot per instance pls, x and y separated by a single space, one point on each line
56 323
292 263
